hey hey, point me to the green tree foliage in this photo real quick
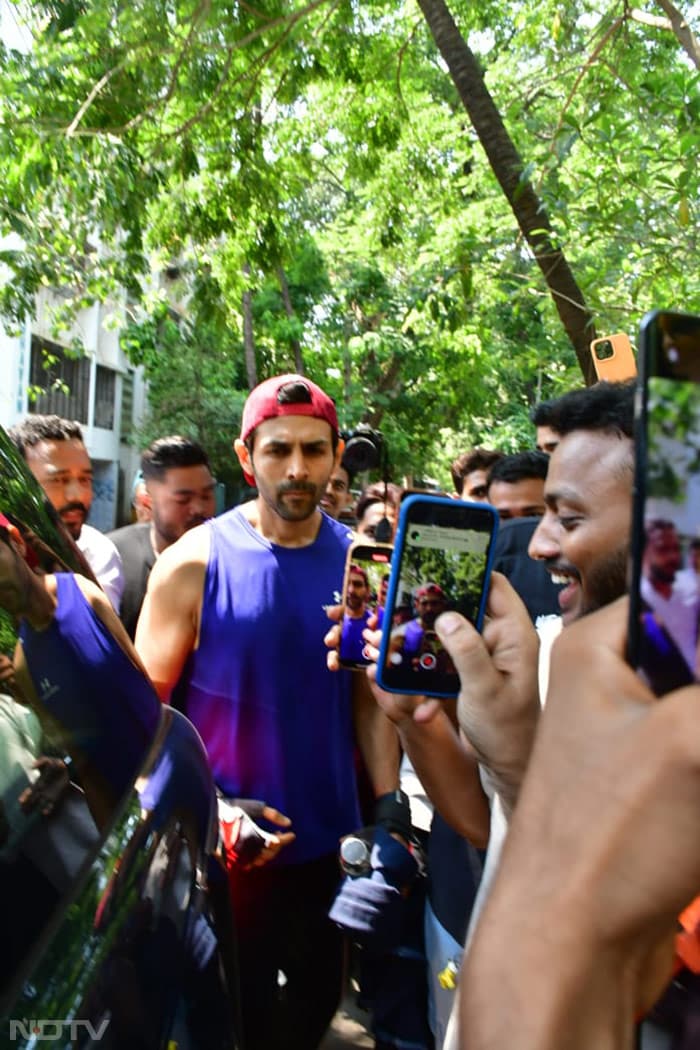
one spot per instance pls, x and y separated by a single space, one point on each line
459 575
674 437
318 155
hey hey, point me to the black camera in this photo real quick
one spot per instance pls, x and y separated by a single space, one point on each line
363 449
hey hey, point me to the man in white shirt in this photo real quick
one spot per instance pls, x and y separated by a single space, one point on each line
672 596
582 541
55 453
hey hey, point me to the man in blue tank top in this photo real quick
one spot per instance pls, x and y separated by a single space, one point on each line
235 618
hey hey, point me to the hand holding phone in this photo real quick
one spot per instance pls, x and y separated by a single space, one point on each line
442 560
364 595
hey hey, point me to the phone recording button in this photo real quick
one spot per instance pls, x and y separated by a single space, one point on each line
428 661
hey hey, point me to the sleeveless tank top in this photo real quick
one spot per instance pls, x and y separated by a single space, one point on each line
88 685
276 723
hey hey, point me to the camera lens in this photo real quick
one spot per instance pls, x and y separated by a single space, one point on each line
360 454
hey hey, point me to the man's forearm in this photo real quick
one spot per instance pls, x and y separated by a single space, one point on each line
376 738
449 774
527 986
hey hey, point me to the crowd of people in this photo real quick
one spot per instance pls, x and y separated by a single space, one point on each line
558 839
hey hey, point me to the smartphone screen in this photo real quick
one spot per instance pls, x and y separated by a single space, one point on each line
665 587
364 594
442 560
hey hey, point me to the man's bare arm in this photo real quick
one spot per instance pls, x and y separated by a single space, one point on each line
376 737
446 769
167 630
498 711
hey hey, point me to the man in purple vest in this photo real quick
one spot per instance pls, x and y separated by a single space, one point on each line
234 617
417 641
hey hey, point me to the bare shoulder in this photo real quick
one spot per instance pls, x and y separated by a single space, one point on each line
96 597
250 512
168 625
184 563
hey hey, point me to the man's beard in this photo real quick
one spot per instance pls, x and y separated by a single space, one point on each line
302 510
171 534
72 527
607 582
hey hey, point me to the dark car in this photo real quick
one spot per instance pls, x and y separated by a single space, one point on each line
113 910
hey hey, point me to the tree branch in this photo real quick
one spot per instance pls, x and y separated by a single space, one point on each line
655 21
682 31
590 61
94 92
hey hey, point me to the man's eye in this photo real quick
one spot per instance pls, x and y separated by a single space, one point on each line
568 522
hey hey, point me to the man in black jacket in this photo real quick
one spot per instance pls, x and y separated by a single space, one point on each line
181 487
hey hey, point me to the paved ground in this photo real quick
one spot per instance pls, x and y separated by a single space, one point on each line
348 1028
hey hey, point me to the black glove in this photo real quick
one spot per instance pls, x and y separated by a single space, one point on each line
371 906
242 840
393 812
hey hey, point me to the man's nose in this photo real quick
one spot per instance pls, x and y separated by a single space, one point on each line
202 506
77 491
296 465
544 544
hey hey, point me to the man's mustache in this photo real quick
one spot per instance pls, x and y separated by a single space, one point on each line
74 505
297 486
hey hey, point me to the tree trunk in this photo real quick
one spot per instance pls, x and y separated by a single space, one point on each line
289 310
248 334
509 170
683 32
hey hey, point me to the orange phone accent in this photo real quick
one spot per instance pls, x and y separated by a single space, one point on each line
613 358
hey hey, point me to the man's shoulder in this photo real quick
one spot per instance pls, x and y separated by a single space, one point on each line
92 538
189 553
131 536
98 548
338 531
685 585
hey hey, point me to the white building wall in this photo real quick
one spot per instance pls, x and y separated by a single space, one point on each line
108 453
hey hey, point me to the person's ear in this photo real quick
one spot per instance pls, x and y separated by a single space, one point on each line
16 539
244 457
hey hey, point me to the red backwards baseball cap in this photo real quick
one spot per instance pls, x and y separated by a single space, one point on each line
268 401
430 588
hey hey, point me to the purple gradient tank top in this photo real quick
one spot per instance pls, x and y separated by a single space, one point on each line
276 723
